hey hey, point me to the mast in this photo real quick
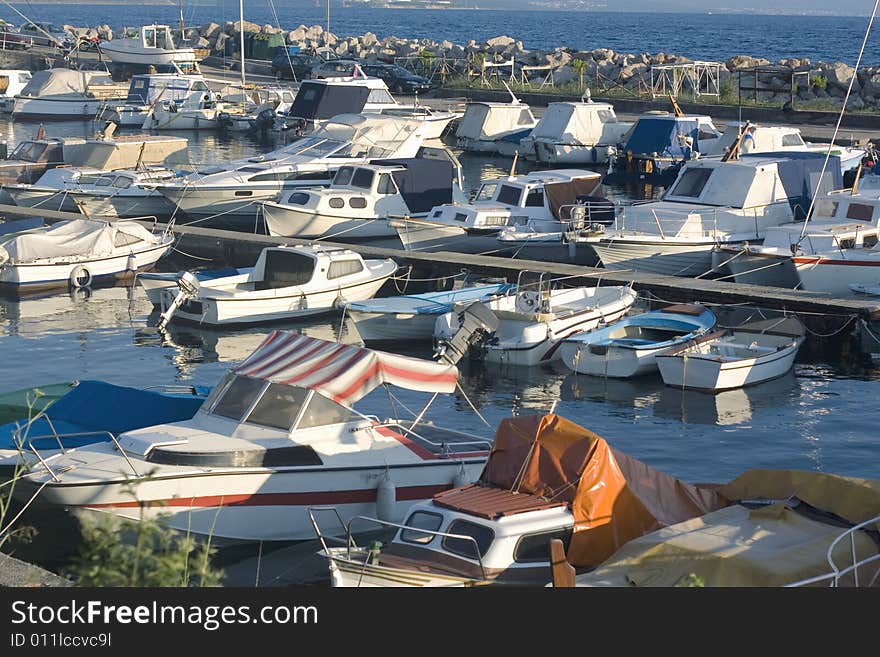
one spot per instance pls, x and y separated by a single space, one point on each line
241 36
180 7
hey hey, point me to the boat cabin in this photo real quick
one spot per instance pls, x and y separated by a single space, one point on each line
766 139
585 123
30 159
157 36
320 99
488 122
145 89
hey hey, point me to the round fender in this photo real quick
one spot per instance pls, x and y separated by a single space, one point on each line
80 277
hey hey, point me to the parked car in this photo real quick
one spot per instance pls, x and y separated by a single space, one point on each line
337 68
11 40
299 65
47 34
398 78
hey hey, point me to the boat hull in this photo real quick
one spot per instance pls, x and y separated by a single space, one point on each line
41 109
393 327
557 153
123 206
287 221
43 199
426 236
818 274
668 258
612 361
757 269
259 504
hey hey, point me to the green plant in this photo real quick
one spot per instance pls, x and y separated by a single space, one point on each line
819 82
691 580
580 66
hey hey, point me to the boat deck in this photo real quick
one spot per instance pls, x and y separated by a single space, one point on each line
431 441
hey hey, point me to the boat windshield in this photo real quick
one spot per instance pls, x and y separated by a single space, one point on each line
487 192
312 146
28 151
274 405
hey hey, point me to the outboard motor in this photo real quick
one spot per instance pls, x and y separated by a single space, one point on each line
264 121
189 287
474 324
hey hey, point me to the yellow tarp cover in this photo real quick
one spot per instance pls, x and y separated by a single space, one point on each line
734 546
856 500
614 498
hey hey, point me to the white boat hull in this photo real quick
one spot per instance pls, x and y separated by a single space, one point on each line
48 108
834 277
257 504
756 269
122 53
287 221
712 375
124 206
183 119
393 327
558 153
43 199
425 236
611 361
671 259
58 274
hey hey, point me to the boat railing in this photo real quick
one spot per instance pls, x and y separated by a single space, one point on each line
442 448
836 573
700 222
349 541
59 438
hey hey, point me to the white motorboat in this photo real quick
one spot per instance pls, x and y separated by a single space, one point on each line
735 357
574 133
63 93
833 249
529 324
494 127
147 89
78 253
233 190
124 193
629 346
12 82
540 201
712 203
411 317
285 283
153 46
360 200
200 112
546 478
277 435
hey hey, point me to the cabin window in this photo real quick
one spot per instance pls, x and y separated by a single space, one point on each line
460 216
487 192
792 139
336 203
526 118
285 268
482 534
847 243
217 392
320 412
381 97
341 268
607 116
122 183
691 182
860 211
869 241
421 520
362 178
289 175
343 176
310 175
124 239
706 134
386 185
238 397
298 198
103 182
509 195
87 180
437 213
536 547
535 198
278 407
825 208
357 202
199 86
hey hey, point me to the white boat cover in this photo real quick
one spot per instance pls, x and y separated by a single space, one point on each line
488 120
344 373
83 238
571 123
56 82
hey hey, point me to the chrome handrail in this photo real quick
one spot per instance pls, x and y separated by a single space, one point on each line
836 572
405 429
58 438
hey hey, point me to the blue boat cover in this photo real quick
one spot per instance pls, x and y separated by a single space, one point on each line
98 406
515 137
660 135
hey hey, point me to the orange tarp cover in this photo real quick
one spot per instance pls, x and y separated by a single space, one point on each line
614 497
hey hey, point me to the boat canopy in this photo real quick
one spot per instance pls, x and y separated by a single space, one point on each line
422 183
614 498
491 120
562 196
574 123
77 237
317 100
344 373
663 135
62 82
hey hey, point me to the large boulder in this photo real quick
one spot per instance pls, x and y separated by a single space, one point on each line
369 39
603 54
315 31
839 75
209 30
635 70
220 43
498 44
740 62
297 35
247 27
870 84
565 75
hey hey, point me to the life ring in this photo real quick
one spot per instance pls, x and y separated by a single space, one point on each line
80 277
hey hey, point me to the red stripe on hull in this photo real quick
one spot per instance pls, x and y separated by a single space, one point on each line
283 499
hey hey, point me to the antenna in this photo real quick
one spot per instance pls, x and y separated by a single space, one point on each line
513 165
513 98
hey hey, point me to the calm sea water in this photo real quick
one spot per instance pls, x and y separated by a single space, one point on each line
697 36
819 417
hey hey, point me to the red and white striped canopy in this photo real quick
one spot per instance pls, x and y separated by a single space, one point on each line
344 373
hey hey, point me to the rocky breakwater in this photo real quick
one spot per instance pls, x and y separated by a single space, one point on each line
602 69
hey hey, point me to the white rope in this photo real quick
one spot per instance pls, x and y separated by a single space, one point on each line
839 118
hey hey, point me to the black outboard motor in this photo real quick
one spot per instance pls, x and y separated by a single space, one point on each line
264 121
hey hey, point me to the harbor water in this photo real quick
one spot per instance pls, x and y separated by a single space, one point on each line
819 417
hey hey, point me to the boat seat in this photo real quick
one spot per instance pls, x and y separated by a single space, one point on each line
746 347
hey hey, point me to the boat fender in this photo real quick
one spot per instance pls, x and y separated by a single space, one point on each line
80 277
386 497
461 478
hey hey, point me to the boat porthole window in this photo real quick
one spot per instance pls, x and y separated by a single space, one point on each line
357 202
536 547
421 520
460 216
336 203
244 193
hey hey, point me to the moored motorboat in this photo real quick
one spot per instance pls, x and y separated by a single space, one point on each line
494 127
63 93
527 327
285 283
629 346
412 316
79 253
734 357
546 478
277 435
